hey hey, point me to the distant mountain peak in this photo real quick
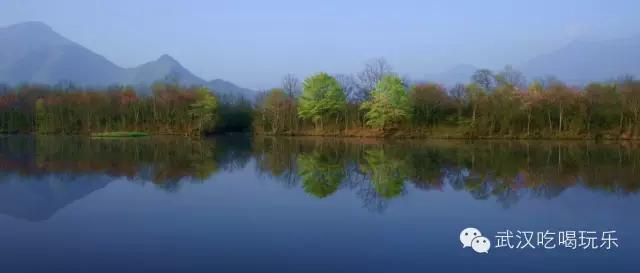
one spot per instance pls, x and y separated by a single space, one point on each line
31 25
219 81
31 33
581 60
166 58
32 52
163 68
460 73
222 87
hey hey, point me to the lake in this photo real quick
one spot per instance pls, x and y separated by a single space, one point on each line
241 204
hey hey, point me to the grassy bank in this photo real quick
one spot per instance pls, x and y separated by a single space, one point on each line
443 133
120 134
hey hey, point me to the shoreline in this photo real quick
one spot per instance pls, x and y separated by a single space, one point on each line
351 135
412 134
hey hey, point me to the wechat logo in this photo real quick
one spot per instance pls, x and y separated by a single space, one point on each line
471 237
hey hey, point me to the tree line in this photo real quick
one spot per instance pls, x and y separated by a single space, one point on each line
493 104
375 102
169 109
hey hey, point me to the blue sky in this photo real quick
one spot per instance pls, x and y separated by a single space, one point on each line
254 43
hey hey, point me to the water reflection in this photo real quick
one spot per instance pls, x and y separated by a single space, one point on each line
504 170
39 175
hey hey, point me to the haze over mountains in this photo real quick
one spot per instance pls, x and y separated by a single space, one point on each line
583 61
33 52
577 63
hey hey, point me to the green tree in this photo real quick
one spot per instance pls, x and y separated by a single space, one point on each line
274 109
203 110
531 102
389 103
562 98
475 95
604 106
631 103
41 116
505 107
321 98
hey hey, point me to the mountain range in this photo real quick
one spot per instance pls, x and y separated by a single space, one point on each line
578 63
33 52
582 61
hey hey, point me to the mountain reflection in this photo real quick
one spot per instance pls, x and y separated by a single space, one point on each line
39 175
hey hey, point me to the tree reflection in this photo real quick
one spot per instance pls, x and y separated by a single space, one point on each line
165 161
377 171
321 173
504 171
386 172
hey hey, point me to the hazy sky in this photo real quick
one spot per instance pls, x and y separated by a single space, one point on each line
254 43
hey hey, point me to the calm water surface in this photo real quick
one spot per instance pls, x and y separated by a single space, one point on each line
240 204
